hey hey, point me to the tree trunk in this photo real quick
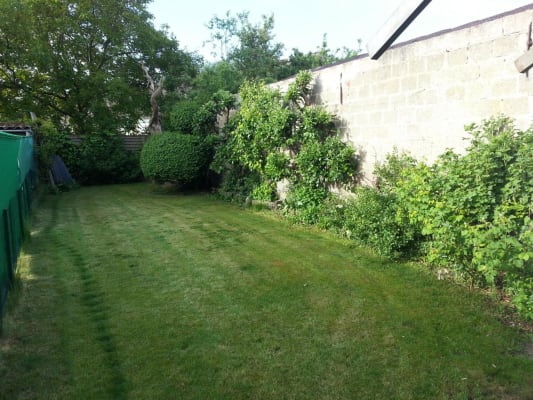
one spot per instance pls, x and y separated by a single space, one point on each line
154 126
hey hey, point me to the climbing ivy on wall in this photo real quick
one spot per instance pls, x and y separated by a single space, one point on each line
283 136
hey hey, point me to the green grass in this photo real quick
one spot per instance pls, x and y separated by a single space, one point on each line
129 294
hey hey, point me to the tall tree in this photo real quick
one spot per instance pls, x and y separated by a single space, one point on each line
252 50
79 62
212 78
223 35
257 54
323 55
250 47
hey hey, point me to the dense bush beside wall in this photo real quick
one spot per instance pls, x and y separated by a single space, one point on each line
470 214
177 158
476 209
276 136
237 183
370 215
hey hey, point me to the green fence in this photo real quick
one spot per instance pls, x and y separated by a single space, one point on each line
17 181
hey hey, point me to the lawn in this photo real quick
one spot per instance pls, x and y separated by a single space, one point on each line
128 293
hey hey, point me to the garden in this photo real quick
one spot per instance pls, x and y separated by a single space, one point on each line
186 283
237 254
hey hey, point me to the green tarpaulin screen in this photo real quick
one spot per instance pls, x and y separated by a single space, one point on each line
17 179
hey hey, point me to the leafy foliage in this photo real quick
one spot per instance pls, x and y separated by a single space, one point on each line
182 117
470 213
263 123
193 117
257 55
251 49
323 55
52 142
96 159
175 157
282 137
80 62
475 209
266 191
104 160
237 183
370 217
219 76
248 46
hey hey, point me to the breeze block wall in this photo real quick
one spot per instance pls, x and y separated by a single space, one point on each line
420 94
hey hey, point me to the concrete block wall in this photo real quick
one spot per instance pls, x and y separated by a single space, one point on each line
420 94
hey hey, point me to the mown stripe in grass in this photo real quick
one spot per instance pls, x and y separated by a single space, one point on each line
93 300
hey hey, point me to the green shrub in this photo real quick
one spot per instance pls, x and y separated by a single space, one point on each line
200 118
104 160
177 158
277 166
266 191
323 164
304 204
283 137
370 219
182 117
237 184
332 216
475 210
97 159
389 173
504 248
53 142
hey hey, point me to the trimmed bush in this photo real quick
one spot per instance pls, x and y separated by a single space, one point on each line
175 157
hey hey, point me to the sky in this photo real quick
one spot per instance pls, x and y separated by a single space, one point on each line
302 24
